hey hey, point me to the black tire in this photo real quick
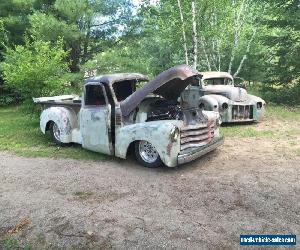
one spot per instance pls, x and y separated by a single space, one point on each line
155 162
53 137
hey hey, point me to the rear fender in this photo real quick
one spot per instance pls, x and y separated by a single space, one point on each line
66 120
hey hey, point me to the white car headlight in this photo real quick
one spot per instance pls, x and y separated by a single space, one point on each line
174 134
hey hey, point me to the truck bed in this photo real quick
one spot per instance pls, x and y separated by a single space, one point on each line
63 100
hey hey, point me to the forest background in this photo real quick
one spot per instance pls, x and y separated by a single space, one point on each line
48 47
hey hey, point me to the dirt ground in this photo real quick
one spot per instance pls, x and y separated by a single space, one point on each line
248 186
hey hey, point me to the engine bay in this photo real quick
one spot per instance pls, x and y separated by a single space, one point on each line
164 110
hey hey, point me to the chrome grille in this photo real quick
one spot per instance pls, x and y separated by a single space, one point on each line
242 112
196 135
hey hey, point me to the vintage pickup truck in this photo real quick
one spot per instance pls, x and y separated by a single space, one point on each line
234 104
160 121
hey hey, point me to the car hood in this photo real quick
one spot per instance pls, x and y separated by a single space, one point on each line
233 93
168 84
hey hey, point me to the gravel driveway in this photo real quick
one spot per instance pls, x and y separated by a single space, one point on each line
246 186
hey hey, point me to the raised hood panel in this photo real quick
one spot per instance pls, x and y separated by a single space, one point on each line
233 93
169 84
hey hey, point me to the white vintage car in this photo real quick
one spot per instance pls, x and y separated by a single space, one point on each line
114 116
234 104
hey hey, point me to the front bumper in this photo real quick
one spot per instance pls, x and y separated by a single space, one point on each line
194 154
239 113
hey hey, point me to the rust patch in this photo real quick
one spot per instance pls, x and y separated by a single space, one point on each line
169 148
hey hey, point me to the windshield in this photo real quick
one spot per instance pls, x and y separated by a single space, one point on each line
124 89
218 81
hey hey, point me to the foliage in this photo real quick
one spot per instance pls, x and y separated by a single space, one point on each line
86 26
35 69
281 52
7 99
256 41
281 94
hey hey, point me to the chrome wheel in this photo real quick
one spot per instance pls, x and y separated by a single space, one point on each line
148 152
56 132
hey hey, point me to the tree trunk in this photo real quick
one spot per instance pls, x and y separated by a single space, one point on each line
205 53
195 40
237 26
86 46
183 33
219 55
74 56
245 55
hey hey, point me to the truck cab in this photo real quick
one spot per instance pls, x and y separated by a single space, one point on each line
160 120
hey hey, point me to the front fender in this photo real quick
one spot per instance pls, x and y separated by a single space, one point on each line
259 114
220 100
155 132
65 118
256 99
210 103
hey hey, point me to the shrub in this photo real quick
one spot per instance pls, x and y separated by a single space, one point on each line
289 95
35 69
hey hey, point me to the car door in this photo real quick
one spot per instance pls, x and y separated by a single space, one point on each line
95 119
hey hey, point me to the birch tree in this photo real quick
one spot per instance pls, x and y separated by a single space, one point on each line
195 39
183 33
246 52
237 22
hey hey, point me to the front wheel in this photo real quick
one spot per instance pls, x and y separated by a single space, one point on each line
55 134
147 155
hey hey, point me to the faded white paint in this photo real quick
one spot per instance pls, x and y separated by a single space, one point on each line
91 126
215 96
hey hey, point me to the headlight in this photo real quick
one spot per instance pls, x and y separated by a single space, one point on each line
259 105
174 134
225 105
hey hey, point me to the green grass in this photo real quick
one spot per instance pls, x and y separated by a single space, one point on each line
274 114
10 243
245 131
82 194
20 133
290 114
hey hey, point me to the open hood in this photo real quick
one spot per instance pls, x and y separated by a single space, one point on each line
169 84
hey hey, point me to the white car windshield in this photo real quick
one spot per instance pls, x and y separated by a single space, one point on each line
218 81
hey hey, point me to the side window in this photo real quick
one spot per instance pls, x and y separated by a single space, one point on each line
94 95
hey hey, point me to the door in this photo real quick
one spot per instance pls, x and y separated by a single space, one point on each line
95 119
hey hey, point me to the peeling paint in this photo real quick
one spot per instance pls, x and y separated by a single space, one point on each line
196 131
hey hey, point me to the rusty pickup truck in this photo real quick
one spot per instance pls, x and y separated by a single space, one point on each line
218 93
160 120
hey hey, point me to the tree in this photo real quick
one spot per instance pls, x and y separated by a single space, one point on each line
195 39
183 33
36 68
88 27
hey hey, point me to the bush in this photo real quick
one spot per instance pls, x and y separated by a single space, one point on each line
286 95
289 95
35 69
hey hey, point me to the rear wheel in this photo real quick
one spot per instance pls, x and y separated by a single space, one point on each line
147 155
55 134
